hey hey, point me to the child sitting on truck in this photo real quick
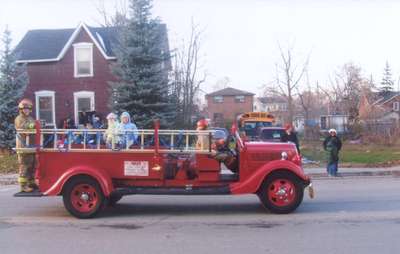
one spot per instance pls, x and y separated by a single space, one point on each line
111 134
128 130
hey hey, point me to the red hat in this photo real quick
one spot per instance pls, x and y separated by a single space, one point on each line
288 126
202 123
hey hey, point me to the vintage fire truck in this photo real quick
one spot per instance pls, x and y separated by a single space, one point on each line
90 174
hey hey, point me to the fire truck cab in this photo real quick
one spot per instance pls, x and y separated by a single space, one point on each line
90 174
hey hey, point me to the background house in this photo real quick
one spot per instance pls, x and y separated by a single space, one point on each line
223 106
69 71
276 105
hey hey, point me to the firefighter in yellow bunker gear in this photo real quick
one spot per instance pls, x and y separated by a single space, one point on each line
26 157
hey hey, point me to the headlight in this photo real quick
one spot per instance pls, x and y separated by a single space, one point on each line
284 156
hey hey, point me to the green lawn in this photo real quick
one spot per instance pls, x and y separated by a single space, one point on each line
357 154
8 163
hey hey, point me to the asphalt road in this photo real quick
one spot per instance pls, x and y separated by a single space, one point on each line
355 215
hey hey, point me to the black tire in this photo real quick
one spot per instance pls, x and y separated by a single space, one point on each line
281 203
73 197
114 198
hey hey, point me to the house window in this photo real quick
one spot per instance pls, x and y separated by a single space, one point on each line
45 109
218 99
83 107
83 60
396 106
218 117
239 98
323 123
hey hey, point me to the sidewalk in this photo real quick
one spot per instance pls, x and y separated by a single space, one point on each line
355 172
8 179
315 173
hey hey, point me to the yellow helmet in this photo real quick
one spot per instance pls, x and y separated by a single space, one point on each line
25 103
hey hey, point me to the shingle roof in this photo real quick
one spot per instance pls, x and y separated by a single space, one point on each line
107 37
42 44
48 43
384 97
229 91
275 99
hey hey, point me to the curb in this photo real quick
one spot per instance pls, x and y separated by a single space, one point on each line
394 173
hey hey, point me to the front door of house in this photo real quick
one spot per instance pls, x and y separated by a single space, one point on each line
83 108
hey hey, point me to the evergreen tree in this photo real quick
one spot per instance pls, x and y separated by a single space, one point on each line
142 86
387 82
13 81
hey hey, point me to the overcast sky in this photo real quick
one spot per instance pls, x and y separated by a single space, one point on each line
241 36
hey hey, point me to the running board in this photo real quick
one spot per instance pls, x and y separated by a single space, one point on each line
28 194
228 177
188 190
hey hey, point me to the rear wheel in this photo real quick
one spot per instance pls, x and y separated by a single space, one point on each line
281 192
83 197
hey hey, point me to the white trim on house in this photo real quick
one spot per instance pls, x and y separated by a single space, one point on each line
396 106
82 94
83 45
46 93
381 101
68 45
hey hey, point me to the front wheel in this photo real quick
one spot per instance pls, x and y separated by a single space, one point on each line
281 192
83 197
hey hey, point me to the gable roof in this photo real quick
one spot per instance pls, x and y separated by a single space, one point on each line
47 45
229 91
42 44
386 97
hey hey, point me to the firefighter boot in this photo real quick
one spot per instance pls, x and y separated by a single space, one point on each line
32 184
23 182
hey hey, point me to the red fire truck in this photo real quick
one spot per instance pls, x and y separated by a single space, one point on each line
90 174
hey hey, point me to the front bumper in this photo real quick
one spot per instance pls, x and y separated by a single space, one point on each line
310 188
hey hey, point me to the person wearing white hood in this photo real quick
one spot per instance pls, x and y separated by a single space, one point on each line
128 130
111 134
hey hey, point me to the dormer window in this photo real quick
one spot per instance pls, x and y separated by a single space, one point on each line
83 60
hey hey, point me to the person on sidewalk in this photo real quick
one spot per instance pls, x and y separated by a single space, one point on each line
290 136
332 146
26 157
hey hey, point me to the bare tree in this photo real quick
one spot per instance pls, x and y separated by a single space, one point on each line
222 83
310 102
345 94
287 80
116 18
187 78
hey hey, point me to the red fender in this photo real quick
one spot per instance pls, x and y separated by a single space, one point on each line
100 175
254 182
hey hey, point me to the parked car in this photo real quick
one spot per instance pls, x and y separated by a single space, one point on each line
271 134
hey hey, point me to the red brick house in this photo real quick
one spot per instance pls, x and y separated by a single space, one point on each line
69 71
223 106
384 108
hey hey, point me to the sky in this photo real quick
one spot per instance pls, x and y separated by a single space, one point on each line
240 37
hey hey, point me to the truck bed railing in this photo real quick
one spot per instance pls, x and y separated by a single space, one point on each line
95 140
